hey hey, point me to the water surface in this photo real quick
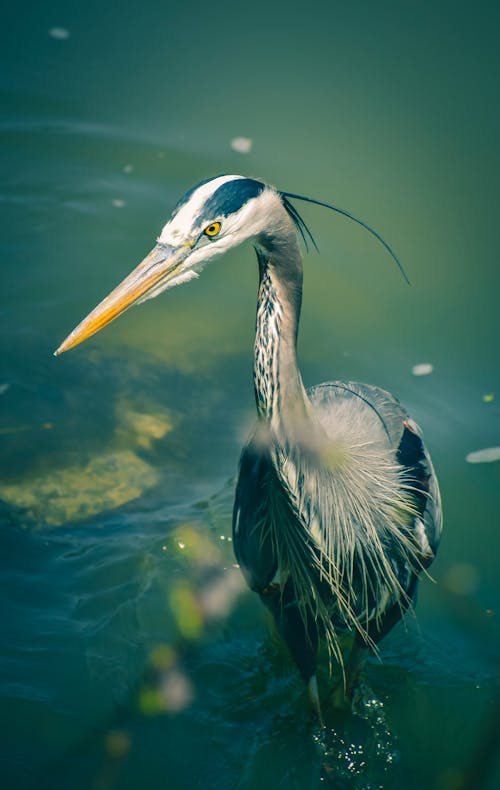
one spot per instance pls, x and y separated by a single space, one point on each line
132 654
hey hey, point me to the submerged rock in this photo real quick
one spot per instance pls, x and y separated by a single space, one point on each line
63 495
142 427
62 491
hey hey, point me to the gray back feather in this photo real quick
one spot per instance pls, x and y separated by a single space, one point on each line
351 504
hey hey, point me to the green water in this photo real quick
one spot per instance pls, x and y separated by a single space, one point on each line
131 653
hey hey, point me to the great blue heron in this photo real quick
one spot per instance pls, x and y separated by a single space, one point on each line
337 506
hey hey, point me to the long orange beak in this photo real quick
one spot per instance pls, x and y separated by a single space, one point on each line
160 267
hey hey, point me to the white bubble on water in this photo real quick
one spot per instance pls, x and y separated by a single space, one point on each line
243 145
59 33
484 456
422 369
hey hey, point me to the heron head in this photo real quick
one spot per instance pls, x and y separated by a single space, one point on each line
210 219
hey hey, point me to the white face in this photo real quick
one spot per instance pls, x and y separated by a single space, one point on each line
179 228
208 221
202 224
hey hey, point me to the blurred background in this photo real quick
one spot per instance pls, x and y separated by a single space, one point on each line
132 654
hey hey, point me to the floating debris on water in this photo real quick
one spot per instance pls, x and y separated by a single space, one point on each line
4 388
128 169
484 456
118 203
59 33
422 369
243 145
489 397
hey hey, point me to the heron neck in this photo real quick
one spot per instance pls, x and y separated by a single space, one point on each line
280 395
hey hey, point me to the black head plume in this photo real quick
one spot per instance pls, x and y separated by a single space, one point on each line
306 233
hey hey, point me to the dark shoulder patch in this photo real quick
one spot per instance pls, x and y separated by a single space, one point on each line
229 198
411 455
411 448
252 542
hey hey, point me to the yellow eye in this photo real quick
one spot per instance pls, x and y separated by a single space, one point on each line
212 229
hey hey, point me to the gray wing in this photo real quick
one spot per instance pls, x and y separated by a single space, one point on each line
405 437
252 542
287 510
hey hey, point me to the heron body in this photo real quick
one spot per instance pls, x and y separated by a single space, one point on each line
337 506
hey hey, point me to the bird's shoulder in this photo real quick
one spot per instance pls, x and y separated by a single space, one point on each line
359 410
338 403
